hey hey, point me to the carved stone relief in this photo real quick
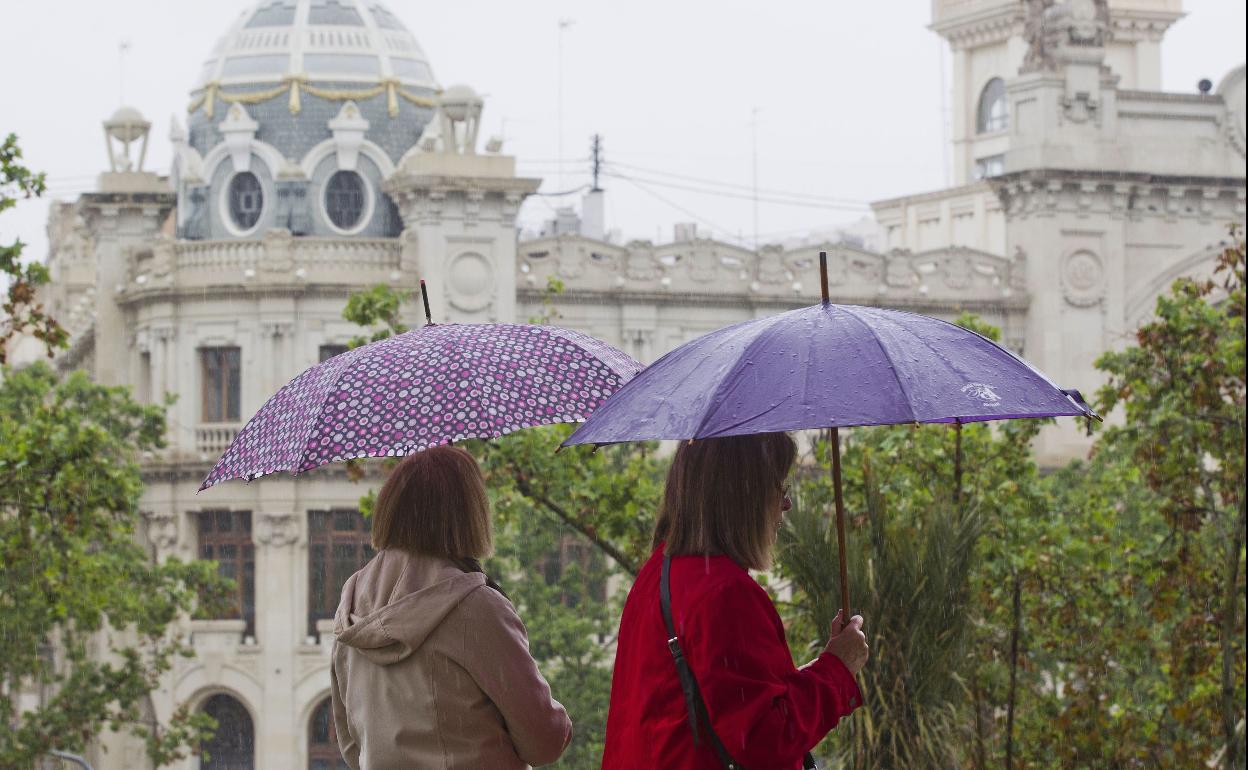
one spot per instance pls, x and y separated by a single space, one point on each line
571 262
957 271
771 265
162 529
898 270
277 529
703 265
276 328
1018 270
1083 279
1081 108
640 264
838 269
279 248
409 255
471 281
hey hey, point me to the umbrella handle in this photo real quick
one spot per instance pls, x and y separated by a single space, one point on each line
835 440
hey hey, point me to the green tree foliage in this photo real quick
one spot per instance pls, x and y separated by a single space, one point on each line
86 613
21 312
1106 604
1181 392
558 582
913 584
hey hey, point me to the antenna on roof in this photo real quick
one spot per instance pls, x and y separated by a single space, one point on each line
123 47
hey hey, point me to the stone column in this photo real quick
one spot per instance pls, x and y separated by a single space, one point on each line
161 339
278 533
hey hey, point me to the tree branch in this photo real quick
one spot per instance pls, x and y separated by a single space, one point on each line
526 489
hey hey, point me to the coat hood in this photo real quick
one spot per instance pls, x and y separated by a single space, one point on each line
396 601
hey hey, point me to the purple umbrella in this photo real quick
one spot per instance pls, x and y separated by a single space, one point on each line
433 385
827 366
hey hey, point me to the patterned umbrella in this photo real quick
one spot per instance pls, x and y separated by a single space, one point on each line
429 386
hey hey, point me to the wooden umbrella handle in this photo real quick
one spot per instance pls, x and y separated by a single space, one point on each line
835 439
823 275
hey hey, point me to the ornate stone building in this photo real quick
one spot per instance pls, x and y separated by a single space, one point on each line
320 156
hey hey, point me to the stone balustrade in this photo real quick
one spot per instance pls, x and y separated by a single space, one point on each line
213 439
716 271
275 260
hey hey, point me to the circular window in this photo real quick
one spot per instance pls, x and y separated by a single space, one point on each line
246 200
345 200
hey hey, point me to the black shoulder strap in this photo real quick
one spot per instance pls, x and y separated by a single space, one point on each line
689 684
693 696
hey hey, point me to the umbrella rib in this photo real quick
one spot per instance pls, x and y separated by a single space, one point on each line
625 368
744 420
731 373
884 351
320 408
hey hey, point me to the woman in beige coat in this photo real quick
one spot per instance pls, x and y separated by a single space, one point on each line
431 665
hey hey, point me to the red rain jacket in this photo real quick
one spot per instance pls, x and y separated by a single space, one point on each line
767 712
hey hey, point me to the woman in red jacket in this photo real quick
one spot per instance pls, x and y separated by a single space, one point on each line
745 704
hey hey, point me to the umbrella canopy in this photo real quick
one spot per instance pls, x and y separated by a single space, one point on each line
826 366
433 385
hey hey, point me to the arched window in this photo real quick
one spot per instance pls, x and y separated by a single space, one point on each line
345 199
246 199
994 111
233 745
323 751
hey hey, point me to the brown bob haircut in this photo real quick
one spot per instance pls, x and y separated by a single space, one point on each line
721 494
434 503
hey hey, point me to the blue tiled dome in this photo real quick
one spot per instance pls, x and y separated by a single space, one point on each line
322 40
310 88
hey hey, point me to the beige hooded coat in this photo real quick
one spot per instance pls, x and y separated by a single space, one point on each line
431 669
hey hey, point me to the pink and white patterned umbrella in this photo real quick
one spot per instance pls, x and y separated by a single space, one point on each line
429 386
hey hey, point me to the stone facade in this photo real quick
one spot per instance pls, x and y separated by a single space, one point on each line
1096 190
1105 187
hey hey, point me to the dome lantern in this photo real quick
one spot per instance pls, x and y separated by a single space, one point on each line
126 126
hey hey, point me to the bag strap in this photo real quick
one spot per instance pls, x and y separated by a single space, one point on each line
689 684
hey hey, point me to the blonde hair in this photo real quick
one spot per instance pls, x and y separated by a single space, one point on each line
434 503
719 495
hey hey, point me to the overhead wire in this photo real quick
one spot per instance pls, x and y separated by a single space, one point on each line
740 196
738 186
573 191
714 227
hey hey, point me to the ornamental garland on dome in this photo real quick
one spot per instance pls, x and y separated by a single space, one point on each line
295 84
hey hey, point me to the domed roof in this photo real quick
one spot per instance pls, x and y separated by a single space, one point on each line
319 41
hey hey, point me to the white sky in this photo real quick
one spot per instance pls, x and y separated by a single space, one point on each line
848 93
